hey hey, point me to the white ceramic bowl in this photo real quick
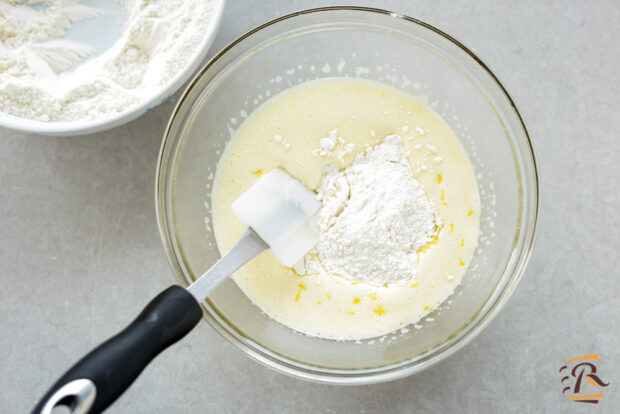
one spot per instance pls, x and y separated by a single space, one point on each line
101 40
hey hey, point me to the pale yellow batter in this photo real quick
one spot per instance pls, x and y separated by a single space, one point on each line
285 132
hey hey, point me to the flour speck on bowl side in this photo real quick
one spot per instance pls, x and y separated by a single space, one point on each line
48 75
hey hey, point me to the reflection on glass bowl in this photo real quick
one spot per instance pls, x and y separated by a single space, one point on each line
373 44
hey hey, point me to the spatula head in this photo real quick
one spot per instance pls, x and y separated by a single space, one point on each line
281 211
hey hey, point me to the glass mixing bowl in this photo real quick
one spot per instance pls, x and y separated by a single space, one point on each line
399 51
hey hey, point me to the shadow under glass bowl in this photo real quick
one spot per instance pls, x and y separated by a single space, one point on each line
372 44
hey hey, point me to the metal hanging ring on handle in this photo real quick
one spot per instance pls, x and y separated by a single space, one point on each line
79 395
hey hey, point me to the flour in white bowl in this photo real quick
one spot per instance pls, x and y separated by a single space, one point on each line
374 218
159 38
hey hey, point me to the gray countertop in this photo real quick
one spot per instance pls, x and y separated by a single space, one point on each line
81 254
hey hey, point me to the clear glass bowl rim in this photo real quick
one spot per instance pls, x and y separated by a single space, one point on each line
485 315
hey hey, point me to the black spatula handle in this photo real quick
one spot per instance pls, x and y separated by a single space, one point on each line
99 378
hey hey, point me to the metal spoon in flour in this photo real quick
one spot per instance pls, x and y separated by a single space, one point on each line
277 210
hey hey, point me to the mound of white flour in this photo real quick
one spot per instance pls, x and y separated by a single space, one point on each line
375 217
158 40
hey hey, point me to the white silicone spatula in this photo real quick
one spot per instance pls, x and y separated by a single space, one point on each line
278 211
